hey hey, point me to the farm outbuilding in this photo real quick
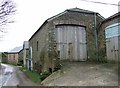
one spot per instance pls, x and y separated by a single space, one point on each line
13 57
20 57
27 59
70 35
110 27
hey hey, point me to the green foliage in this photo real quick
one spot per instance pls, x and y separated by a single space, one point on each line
20 63
44 75
14 64
102 55
52 50
22 69
99 57
4 54
34 76
4 62
10 63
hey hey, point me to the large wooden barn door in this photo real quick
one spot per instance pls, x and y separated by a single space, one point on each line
71 42
112 38
82 43
112 48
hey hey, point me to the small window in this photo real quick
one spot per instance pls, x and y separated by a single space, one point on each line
37 45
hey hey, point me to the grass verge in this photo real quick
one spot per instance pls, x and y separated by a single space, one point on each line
13 64
34 76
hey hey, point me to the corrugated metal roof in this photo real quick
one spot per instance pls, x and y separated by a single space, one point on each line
15 50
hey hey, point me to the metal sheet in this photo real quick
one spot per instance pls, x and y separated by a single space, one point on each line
112 30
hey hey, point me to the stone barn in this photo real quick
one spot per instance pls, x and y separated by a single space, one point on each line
70 35
13 57
27 60
110 32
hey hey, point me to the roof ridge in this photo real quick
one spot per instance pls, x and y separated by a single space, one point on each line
80 10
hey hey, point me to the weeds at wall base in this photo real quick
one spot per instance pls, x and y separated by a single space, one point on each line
34 76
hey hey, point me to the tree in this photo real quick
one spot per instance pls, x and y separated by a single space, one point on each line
7 10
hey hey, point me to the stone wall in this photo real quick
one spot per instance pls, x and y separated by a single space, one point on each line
101 35
45 56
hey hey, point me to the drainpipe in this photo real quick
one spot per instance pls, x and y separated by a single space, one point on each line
30 59
96 36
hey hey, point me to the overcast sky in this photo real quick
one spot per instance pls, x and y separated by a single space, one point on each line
32 13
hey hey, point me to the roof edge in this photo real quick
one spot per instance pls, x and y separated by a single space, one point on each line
113 16
68 10
38 29
12 52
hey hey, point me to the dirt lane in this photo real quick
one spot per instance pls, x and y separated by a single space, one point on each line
24 80
84 74
14 77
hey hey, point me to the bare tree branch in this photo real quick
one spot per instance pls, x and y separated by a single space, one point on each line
7 10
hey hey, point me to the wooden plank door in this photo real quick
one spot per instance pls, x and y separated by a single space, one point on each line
71 42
